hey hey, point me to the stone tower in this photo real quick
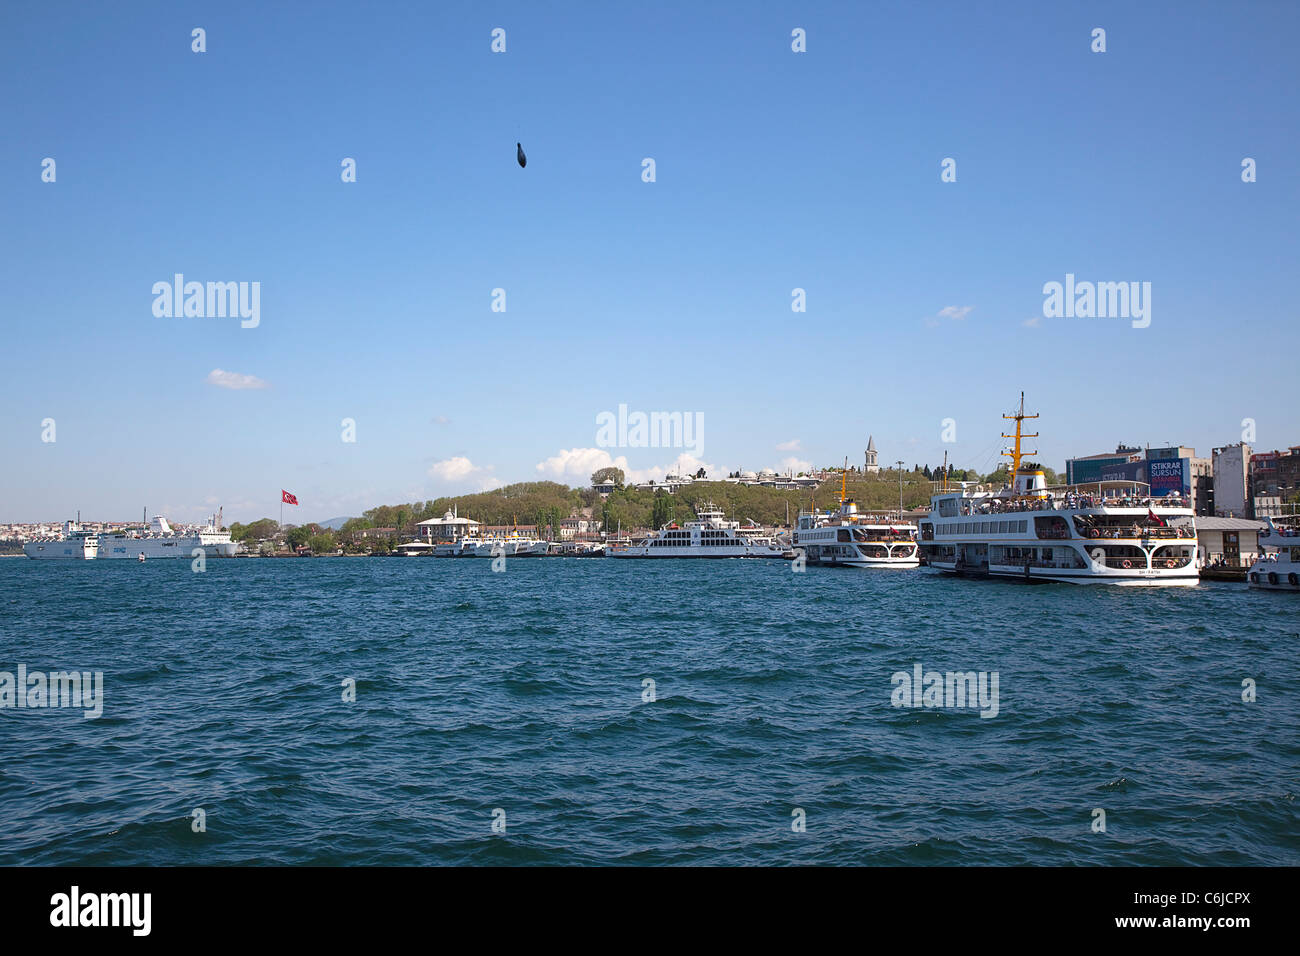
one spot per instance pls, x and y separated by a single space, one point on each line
871 466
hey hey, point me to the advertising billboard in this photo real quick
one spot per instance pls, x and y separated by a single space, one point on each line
1169 476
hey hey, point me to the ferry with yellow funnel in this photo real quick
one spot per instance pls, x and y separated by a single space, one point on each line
853 539
1107 532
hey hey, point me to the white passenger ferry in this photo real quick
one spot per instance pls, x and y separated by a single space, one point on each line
159 540
74 544
1108 532
709 536
855 540
1278 566
511 546
463 547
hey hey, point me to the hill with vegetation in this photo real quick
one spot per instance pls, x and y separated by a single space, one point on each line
546 503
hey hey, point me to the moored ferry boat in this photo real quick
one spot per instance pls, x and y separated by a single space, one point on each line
159 540
74 543
1108 532
456 547
709 536
1277 568
856 540
512 546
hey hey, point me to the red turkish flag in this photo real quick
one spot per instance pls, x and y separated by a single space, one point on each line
287 498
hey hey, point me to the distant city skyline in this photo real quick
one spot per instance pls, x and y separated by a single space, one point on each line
954 196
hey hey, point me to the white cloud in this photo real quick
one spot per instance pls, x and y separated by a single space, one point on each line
791 445
461 471
955 311
1032 322
234 380
451 469
441 420
795 465
580 463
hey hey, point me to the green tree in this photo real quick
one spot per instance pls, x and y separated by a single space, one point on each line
255 531
322 543
664 510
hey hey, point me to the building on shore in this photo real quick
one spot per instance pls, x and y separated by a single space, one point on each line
1228 541
1274 479
450 527
578 526
1232 480
507 531
1088 468
671 483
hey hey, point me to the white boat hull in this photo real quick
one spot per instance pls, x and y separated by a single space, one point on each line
178 546
640 551
866 562
69 550
507 548
1136 578
815 557
1268 576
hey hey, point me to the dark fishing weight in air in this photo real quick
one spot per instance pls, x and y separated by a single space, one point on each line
519 155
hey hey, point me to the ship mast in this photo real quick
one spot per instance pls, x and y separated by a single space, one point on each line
1016 454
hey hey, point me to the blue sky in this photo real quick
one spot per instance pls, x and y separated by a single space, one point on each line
774 170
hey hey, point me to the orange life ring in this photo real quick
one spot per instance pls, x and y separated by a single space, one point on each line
1126 563
1094 533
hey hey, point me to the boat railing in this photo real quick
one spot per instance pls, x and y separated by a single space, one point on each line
1075 503
1054 533
1135 532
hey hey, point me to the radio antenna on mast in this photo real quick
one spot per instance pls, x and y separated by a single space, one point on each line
1016 453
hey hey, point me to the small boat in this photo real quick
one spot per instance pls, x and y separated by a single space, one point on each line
1277 568
141 558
